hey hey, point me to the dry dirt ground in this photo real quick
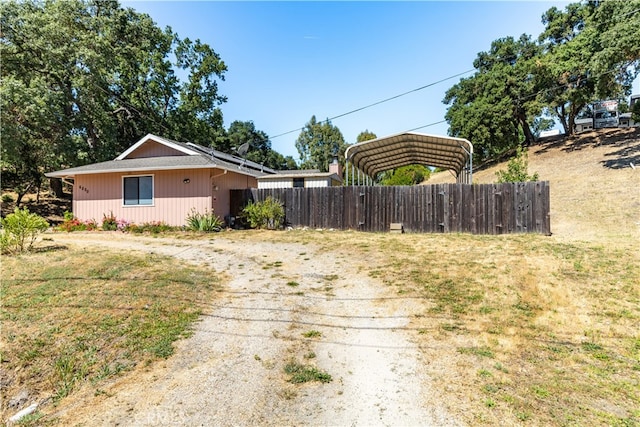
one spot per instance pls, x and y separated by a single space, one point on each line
230 372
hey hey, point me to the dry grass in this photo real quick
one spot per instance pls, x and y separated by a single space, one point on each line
77 318
519 329
527 329
513 329
595 193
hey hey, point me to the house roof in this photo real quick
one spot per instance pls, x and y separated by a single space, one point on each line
195 157
409 148
299 174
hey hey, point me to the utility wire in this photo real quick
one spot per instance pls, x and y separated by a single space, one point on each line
382 101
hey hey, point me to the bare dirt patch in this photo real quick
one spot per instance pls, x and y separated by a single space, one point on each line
231 372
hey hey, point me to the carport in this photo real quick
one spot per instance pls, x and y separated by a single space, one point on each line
365 160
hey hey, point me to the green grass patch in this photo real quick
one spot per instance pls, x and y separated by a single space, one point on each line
312 334
300 373
74 316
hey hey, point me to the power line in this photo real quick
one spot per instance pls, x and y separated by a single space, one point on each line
382 101
426 126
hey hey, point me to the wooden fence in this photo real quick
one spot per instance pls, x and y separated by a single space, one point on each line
442 208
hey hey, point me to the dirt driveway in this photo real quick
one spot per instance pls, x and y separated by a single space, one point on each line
230 372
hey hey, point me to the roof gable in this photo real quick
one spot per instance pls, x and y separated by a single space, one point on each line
145 148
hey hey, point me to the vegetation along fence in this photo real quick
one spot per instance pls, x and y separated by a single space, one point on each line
442 208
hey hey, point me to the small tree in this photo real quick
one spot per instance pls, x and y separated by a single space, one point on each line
406 175
267 214
517 169
20 230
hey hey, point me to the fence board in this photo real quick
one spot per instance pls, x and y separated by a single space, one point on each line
477 209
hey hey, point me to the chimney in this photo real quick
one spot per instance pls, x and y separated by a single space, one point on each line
335 167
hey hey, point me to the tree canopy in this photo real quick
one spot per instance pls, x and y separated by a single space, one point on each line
81 80
587 52
318 143
259 149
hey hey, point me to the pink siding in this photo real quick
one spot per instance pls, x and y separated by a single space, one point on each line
224 182
153 149
100 194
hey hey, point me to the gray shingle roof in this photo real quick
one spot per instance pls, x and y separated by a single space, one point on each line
154 163
196 157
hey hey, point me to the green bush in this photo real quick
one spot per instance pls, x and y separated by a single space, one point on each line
20 230
207 222
517 169
153 227
406 175
267 214
7 198
109 223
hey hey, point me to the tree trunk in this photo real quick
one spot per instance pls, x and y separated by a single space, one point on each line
56 187
528 135
563 119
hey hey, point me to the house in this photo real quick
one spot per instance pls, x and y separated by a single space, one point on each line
584 124
310 178
157 179
626 121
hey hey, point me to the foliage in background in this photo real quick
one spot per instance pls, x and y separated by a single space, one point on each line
517 169
588 52
260 150
267 214
20 231
81 80
318 143
405 175
206 222
635 112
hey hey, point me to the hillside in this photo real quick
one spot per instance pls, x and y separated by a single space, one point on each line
595 192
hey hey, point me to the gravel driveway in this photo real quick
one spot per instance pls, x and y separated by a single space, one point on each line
230 372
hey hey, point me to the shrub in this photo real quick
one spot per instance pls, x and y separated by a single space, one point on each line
517 169
153 227
109 223
207 222
20 230
72 223
267 214
7 198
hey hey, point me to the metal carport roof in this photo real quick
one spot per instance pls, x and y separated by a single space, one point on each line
410 148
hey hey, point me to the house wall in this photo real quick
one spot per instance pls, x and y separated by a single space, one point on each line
221 183
153 149
316 182
285 183
100 194
288 183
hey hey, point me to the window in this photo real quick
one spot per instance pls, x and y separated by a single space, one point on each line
137 190
298 182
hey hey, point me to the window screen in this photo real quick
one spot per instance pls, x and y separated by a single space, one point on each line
138 190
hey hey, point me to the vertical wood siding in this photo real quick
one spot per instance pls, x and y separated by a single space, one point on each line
101 194
221 198
285 183
154 149
443 208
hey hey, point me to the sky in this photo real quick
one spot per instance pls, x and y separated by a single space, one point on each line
288 61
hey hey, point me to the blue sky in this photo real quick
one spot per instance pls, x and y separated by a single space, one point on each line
288 61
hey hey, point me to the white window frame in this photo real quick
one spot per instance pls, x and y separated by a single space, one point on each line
153 190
